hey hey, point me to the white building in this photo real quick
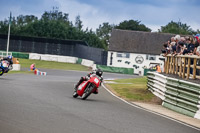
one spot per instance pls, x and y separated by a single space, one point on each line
136 49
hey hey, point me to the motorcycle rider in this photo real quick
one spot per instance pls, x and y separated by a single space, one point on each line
9 60
97 72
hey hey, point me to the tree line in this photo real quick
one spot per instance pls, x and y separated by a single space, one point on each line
56 24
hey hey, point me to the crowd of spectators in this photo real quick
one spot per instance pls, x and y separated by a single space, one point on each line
188 45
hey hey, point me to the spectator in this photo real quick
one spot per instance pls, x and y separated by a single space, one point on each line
172 39
198 51
191 46
196 44
32 67
198 48
172 43
17 61
169 47
175 48
183 39
181 47
165 49
158 69
198 54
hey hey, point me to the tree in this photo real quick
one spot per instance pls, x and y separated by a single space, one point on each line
92 39
104 33
177 28
52 24
132 25
78 23
197 32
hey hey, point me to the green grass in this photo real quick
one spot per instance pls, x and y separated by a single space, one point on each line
52 65
14 72
132 89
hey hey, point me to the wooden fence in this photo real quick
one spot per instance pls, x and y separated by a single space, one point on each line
186 66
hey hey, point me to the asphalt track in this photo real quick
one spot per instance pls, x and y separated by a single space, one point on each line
44 104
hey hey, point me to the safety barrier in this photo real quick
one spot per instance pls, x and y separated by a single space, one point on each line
56 58
15 54
87 63
156 84
116 69
20 55
4 53
34 56
178 95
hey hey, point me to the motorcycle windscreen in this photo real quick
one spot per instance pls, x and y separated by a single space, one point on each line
95 81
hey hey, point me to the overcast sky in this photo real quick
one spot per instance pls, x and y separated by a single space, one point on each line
152 13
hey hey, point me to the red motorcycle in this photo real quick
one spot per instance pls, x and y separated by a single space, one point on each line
87 87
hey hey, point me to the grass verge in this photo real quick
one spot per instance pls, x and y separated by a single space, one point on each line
52 65
133 90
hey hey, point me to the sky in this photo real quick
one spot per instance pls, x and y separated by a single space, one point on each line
152 13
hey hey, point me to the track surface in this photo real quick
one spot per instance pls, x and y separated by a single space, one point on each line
39 104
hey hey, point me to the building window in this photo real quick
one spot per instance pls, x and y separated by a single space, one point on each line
111 58
150 57
123 55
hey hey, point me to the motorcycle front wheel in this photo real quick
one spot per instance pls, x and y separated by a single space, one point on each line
1 71
75 95
87 92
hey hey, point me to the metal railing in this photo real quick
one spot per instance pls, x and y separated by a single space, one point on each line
186 66
179 95
4 54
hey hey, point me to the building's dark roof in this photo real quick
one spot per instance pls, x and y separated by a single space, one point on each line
137 41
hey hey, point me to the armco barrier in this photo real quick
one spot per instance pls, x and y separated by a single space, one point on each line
4 53
156 84
116 69
34 56
178 95
56 58
67 59
87 63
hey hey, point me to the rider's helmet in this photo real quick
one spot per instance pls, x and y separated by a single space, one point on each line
99 72
10 57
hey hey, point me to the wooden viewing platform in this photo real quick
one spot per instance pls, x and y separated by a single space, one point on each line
186 66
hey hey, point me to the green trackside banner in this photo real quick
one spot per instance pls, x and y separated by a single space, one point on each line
20 55
116 69
79 61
